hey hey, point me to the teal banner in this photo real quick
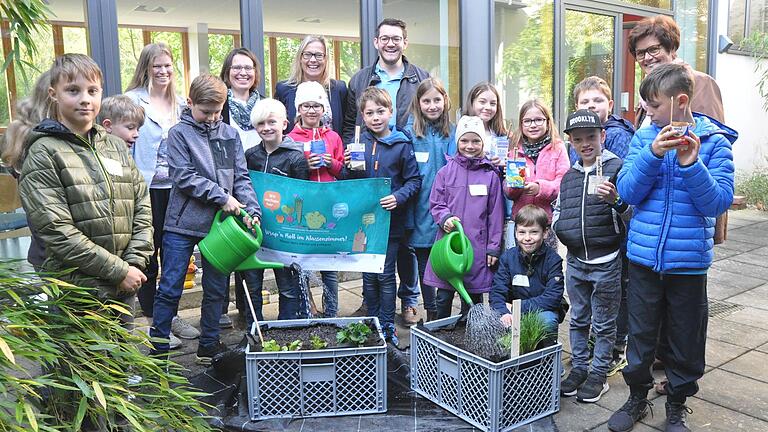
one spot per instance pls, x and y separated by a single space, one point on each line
323 226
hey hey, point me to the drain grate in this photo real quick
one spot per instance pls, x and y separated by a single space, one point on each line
719 308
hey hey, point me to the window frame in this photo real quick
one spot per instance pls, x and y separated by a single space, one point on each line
735 48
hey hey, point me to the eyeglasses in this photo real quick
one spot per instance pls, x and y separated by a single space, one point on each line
306 55
386 39
311 107
537 121
652 50
239 68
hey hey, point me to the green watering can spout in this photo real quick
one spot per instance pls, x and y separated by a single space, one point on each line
451 259
231 246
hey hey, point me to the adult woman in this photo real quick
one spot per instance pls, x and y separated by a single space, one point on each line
241 73
153 89
311 64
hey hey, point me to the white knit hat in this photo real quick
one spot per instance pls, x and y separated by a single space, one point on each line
311 91
468 124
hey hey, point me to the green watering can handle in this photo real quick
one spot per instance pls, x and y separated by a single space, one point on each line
465 242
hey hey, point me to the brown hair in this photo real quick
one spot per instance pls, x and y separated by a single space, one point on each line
662 27
69 67
29 112
142 74
224 75
394 22
121 108
532 215
207 89
375 95
297 73
517 137
443 123
591 83
667 80
496 124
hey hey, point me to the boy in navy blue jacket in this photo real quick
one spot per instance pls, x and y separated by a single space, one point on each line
388 153
679 181
531 271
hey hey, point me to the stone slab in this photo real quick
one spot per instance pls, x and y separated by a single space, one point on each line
756 297
736 333
575 416
719 352
751 364
742 269
735 392
749 316
751 258
748 235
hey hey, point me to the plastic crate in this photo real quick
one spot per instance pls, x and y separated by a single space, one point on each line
490 396
317 383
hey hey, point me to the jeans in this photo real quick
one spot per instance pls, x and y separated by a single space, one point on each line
406 269
287 288
177 248
622 324
679 303
428 293
379 289
330 293
445 302
146 294
595 294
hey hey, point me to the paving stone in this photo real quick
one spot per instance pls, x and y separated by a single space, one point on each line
719 352
722 253
743 269
763 251
750 258
723 284
736 334
752 215
575 416
749 316
751 364
640 427
735 392
711 417
737 245
763 348
748 235
756 297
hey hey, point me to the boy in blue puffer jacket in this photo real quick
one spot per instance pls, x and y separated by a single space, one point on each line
678 183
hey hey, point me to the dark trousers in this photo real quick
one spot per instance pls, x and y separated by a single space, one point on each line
679 303
428 293
146 295
622 325
445 302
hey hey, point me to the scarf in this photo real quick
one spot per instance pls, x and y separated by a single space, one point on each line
242 115
532 149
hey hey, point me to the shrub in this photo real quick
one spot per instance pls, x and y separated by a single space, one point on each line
533 330
755 187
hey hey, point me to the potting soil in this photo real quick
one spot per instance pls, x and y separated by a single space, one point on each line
327 332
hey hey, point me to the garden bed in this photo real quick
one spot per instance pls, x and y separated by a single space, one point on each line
318 332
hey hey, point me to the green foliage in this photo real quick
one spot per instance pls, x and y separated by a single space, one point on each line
293 346
757 44
354 333
755 187
89 364
533 330
317 343
131 41
219 45
270 346
26 19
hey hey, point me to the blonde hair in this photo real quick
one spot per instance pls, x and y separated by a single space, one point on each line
375 95
142 76
208 89
266 107
518 136
443 123
496 124
121 108
29 112
70 67
297 73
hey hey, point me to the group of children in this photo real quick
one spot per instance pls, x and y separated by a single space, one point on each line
90 206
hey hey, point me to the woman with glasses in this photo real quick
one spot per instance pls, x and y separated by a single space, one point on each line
311 64
241 72
152 88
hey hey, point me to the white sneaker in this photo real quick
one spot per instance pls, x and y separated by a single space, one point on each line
183 329
174 342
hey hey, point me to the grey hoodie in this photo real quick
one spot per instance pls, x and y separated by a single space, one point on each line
207 165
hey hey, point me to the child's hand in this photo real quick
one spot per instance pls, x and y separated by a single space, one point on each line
132 281
688 151
491 260
389 202
232 206
328 159
250 222
348 159
314 161
506 319
607 192
448 225
665 141
497 161
531 188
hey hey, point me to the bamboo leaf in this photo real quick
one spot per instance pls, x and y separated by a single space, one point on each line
30 416
120 309
99 394
7 351
81 409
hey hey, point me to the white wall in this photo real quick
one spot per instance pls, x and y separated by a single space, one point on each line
736 76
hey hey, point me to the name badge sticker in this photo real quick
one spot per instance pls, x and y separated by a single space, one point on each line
478 190
520 280
113 167
422 157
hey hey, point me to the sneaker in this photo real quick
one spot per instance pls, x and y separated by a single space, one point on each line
677 414
206 354
225 321
390 334
361 311
570 385
173 342
183 329
633 410
617 363
661 387
410 315
593 389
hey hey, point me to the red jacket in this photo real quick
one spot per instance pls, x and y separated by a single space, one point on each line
333 146
549 169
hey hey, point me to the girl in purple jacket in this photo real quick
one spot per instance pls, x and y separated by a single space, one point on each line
468 190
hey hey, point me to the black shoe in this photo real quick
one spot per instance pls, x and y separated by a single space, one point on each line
677 414
593 388
634 410
570 385
205 354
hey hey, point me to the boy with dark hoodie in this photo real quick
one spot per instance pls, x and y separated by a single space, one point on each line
388 153
678 181
281 156
208 171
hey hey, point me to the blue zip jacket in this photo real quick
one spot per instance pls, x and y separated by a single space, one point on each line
618 135
675 207
393 159
544 270
434 147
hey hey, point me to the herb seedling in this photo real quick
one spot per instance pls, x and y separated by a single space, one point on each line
270 346
317 343
354 333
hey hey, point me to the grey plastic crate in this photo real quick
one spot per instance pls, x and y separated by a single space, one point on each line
491 396
317 383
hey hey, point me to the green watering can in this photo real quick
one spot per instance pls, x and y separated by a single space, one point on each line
451 259
231 246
